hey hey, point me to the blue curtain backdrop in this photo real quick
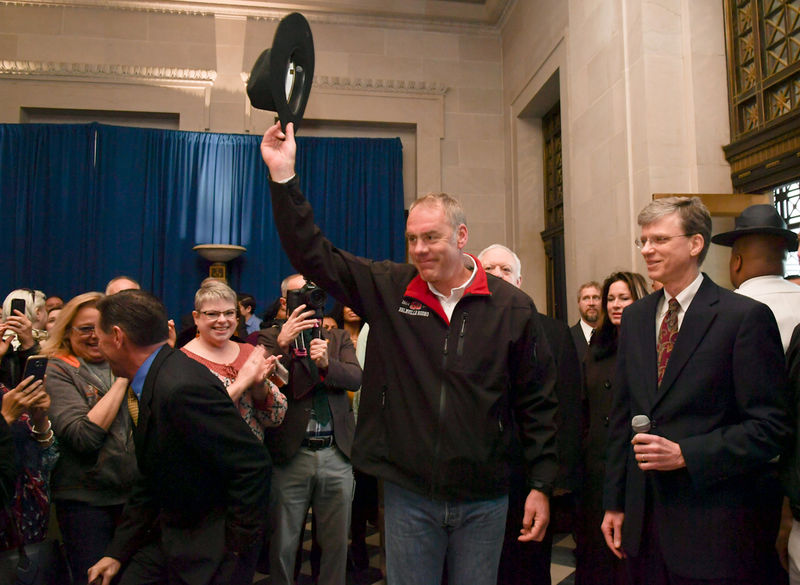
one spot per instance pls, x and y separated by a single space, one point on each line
80 204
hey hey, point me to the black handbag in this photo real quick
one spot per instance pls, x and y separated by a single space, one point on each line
38 563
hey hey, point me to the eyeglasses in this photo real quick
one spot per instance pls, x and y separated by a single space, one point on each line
214 315
657 241
84 330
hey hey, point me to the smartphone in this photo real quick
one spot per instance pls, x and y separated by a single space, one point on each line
36 366
17 305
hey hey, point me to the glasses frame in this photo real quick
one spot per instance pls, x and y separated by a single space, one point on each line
660 240
84 330
214 315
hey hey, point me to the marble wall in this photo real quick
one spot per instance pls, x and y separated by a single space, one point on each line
641 83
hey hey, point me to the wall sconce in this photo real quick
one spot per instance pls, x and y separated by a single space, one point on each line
218 255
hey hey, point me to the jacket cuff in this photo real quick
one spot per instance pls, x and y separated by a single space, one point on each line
541 486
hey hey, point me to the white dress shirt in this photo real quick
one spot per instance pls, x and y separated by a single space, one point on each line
449 302
684 298
587 330
780 295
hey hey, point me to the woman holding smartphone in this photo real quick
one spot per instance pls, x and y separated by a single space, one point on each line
24 410
93 478
23 309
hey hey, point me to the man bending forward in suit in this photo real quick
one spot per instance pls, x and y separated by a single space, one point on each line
683 500
199 507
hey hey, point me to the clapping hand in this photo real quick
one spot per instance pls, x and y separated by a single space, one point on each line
256 368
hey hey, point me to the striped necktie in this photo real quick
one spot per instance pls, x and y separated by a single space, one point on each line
133 405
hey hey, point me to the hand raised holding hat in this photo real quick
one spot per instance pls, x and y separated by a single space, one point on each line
278 149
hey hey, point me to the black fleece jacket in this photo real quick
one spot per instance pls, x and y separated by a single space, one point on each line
438 394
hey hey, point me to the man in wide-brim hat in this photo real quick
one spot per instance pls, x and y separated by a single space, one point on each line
758 242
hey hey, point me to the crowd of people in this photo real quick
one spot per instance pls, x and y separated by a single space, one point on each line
659 430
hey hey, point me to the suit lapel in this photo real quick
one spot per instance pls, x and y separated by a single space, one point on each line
696 322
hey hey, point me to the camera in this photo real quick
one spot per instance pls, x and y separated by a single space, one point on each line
311 296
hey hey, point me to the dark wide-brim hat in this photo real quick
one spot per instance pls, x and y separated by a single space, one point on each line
758 219
281 77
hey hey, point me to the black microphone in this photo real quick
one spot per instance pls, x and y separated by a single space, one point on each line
640 423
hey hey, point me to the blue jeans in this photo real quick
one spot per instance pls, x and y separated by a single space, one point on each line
422 533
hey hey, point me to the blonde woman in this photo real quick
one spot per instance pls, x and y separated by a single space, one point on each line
94 475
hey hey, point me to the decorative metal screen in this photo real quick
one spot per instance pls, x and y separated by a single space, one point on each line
553 176
763 62
553 234
787 201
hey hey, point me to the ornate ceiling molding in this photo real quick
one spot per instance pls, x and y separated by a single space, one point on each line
262 10
108 73
396 86
380 85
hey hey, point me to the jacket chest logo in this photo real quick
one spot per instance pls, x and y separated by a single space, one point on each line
413 308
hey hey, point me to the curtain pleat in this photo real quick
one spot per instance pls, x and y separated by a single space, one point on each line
80 204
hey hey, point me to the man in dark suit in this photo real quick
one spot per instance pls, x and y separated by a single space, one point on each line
201 501
589 308
311 449
683 499
528 563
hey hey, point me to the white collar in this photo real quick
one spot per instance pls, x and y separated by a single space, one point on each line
686 296
457 292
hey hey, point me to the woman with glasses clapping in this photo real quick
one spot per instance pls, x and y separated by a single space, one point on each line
93 477
243 369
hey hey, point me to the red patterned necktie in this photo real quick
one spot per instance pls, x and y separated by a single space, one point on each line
667 334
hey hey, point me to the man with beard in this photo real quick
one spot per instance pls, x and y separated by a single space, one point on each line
589 308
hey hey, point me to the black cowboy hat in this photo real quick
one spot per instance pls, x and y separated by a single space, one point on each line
758 219
281 77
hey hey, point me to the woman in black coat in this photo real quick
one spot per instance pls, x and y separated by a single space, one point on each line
596 565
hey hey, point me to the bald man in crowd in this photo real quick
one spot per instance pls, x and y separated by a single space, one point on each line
119 283
529 562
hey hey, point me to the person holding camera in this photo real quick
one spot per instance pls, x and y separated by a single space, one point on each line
311 449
